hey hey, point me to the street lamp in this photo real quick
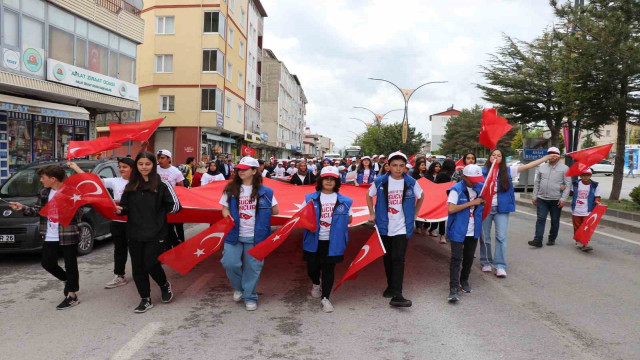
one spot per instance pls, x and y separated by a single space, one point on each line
407 93
368 125
377 118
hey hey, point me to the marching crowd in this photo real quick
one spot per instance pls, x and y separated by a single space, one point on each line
144 192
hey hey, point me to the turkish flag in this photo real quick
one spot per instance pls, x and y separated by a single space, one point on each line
85 148
372 250
435 209
492 128
305 218
140 131
489 189
412 160
589 225
247 151
587 157
460 164
185 256
78 190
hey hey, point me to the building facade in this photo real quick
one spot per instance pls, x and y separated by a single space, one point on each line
65 63
439 126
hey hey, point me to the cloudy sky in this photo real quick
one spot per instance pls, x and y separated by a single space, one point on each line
334 46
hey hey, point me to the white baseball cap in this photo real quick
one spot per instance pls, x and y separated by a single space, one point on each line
280 163
382 157
247 162
397 154
353 158
365 157
553 150
330 171
374 156
341 168
586 171
166 153
474 173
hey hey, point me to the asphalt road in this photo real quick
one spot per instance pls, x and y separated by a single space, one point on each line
557 303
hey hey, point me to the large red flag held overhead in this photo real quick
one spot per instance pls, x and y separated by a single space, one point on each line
589 225
460 164
435 209
587 157
372 250
492 128
85 148
247 151
76 191
489 189
305 218
140 131
185 256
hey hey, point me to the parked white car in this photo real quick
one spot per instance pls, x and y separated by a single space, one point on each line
603 167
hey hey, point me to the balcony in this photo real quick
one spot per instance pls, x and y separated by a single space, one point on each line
115 6
258 80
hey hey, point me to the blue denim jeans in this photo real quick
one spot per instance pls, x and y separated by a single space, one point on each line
547 207
243 270
631 173
502 224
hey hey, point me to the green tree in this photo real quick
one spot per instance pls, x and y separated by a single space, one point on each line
518 141
588 142
388 138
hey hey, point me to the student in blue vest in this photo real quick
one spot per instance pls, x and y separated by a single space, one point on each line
251 205
586 195
325 247
366 174
502 204
464 227
398 197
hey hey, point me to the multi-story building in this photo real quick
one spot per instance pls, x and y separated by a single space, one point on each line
609 134
65 63
283 107
439 126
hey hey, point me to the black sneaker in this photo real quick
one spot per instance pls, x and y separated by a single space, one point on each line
551 242
68 302
535 243
145 304
453 295
167 294
387 293
464 285
400 301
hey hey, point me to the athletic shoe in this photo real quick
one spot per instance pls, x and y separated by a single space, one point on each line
167 294
501 273
316 291
586 248
551 242
453 295
388 294
442 239
535 243
118 280
400 301
251 305
579 245
68 302
145 304
486 268
326 305
464 285
237 296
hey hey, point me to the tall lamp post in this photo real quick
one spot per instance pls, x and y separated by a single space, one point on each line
377 118
368 125
407 93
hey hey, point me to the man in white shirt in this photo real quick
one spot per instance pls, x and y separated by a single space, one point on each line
174 177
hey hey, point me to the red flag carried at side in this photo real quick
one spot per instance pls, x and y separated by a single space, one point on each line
372 250
84 148
185 256
76 191
460 164
492 128
305 218
589 225
412 160
489 189
140 131
587 157
436 208
247 151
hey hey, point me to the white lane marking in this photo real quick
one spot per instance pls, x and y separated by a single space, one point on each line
597 232
138 341
198 284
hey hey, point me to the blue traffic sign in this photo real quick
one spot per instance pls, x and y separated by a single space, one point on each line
533 154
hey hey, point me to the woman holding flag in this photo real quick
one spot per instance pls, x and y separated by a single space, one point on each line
503 203
251 205
325 247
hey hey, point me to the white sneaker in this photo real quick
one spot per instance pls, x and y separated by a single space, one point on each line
117 281
316 291
486 268
251 306
237 296
326 305
501 273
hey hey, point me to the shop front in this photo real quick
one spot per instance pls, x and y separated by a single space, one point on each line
214 145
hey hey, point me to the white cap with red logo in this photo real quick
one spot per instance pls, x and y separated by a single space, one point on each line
330 171
474 173
553 150
247 162
397 154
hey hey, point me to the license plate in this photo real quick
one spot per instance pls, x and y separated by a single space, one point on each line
7 239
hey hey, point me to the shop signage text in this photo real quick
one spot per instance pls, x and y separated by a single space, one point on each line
42 111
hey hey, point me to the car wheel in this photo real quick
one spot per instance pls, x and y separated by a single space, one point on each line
86 239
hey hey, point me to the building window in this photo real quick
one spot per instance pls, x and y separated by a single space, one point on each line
211 100
214 22
113 64
11 28
98 56
212 60
167 103
164 63
127 69
229 71
61 46
239 113
81 52
227 107
32 33
232 5
241 50
165 25
240 80
243 14
230 40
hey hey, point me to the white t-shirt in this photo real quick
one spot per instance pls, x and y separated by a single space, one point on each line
117 185
365 177
453 199
328 202
171 175
279 171
292 170
395 213
206 178
247 209
52 227
582 199
513 170
265 172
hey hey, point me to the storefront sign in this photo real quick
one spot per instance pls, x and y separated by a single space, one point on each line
220 120
32 61
11 59
26 109
85 79
264 136
117 117
188 149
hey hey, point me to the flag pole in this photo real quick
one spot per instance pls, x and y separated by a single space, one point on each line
490 170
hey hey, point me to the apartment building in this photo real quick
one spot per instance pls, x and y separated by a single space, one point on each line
65 64
439 126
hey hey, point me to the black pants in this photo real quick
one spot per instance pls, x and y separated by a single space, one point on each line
461 254
440 225
119 235
144 262
396 247
314 269
176 234
50 252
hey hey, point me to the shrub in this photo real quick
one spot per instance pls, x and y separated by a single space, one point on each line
635 194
